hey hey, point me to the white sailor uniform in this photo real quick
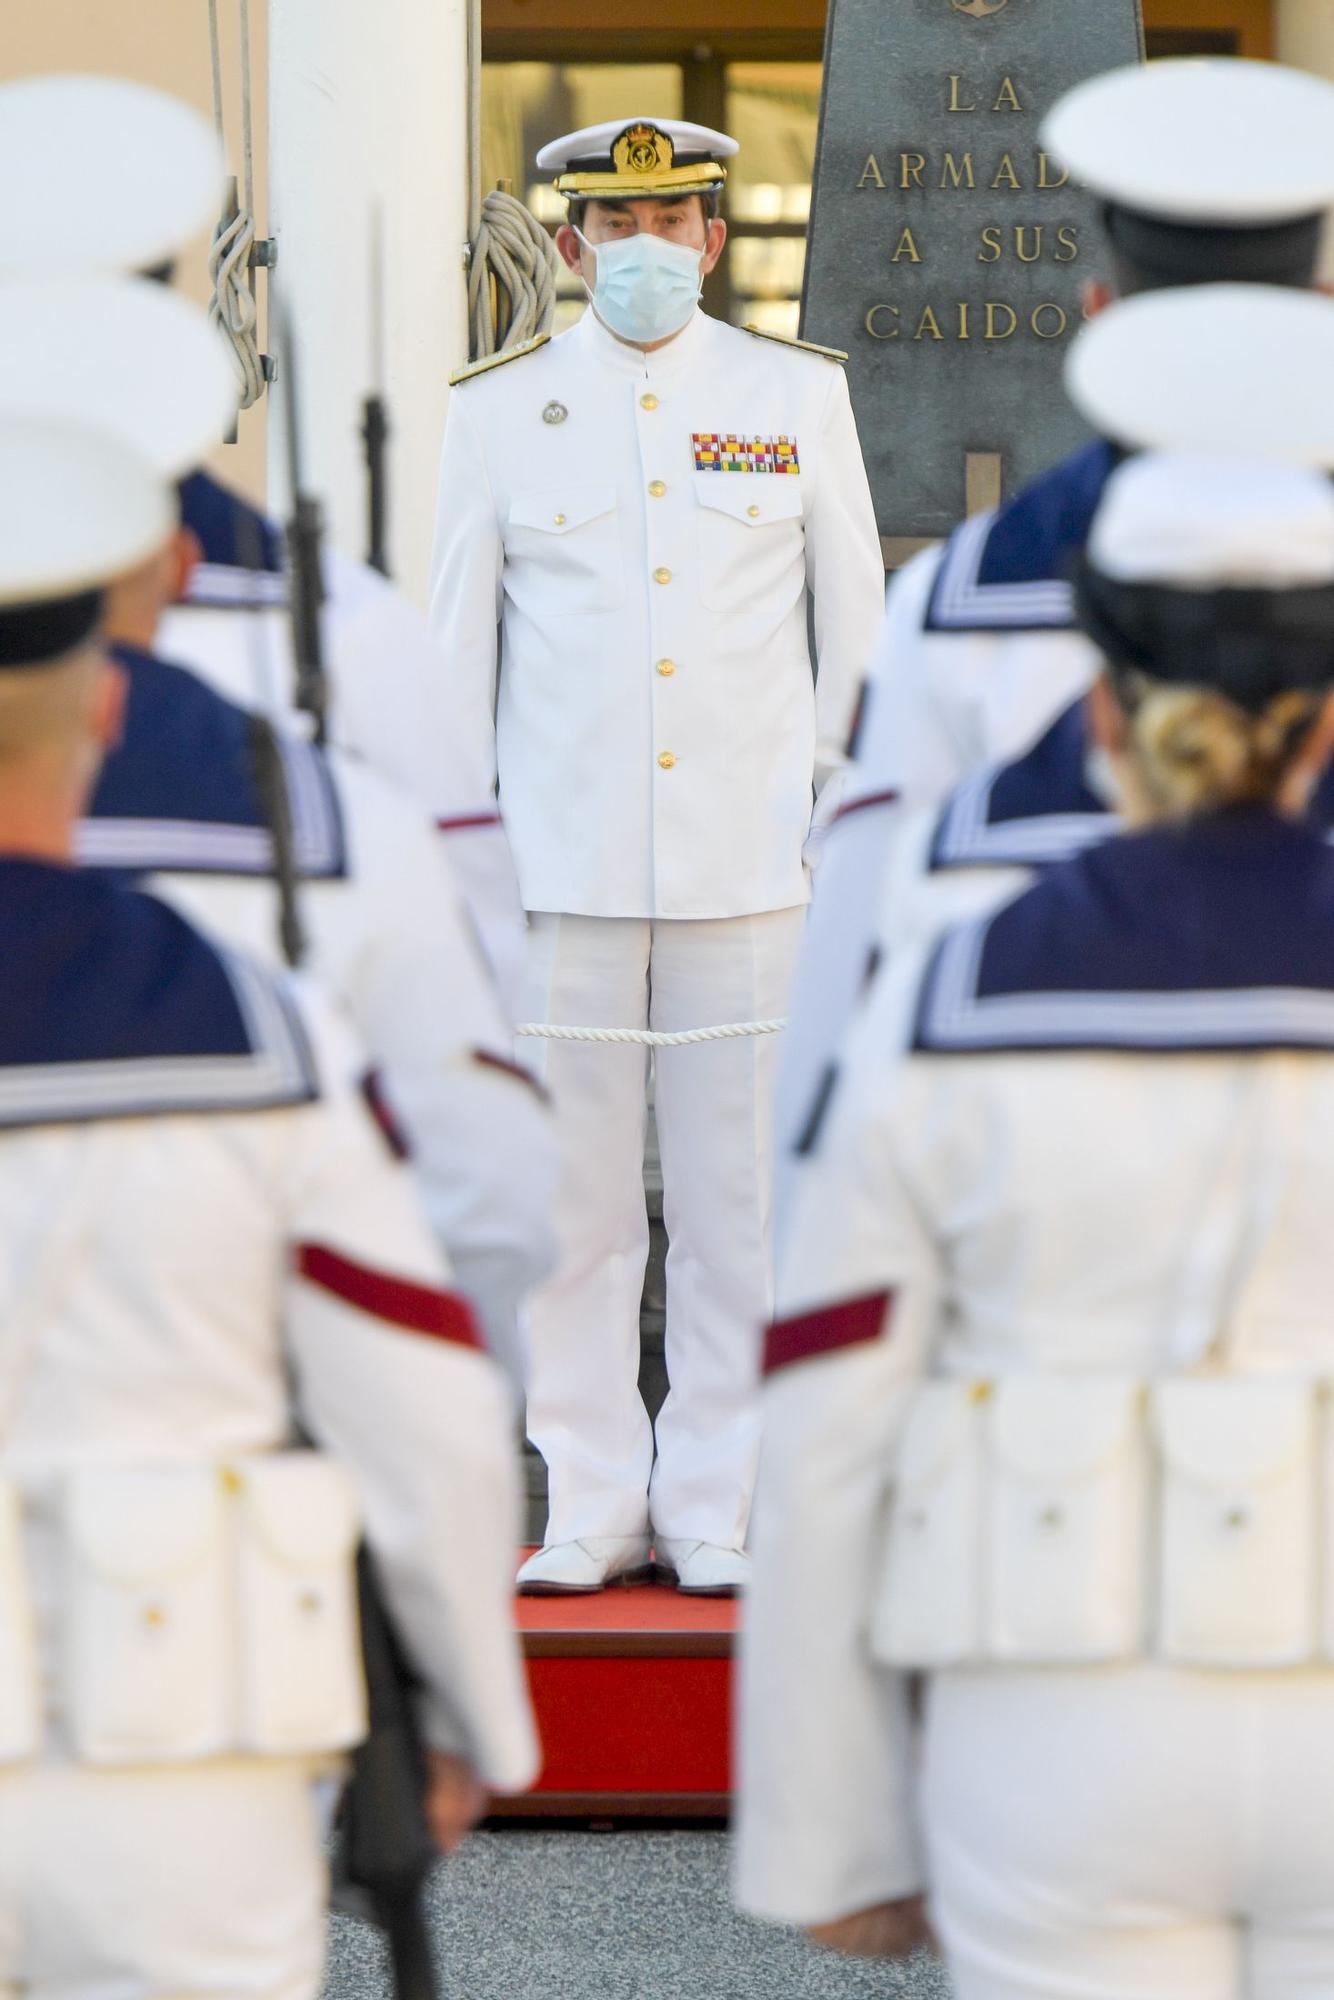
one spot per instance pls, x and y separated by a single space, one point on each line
385 683
1130 1173
625 546
176 803
978 652
203 1232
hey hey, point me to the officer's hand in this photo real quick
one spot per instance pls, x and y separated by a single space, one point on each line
455 1800
890 1930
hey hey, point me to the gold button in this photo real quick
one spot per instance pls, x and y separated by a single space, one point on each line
666 667
666 761
155 1617
662 576
560 520
754 513
657 488
649 401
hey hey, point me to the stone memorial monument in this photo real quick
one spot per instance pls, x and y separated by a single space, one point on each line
947 249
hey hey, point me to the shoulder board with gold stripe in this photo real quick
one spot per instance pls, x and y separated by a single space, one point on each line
498 360
790 340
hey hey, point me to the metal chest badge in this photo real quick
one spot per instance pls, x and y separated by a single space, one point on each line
716 453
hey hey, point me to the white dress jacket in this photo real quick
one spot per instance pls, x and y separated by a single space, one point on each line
625 621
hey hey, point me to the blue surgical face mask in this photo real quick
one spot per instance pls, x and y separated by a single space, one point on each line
646 289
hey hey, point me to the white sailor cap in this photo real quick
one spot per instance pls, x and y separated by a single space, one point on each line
101 174
1212 520
78 507
630 159
121 353
1214 571
1214 142
1224 368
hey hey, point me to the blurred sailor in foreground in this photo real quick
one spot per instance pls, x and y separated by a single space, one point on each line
117 176
979 650
1186 350
632 519
184 798
1044 1415
202 1234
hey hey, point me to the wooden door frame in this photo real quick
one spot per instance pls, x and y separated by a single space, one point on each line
783 30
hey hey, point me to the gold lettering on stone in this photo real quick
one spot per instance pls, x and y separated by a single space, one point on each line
1007 98
1044 161
964 334
994 307
957 173
1026 252
871 174
954 104
1006 175
1068 239
911 168
1062 316
928 323
882 333
991 241
907 248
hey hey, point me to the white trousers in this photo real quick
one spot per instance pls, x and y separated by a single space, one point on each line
1133 1834
162 1884
713 1105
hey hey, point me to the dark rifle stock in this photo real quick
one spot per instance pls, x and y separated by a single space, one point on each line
385 1851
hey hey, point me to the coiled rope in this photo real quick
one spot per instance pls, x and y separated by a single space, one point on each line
548 1031
232 306
511 277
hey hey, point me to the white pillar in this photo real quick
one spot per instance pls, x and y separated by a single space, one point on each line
367 108
1306 40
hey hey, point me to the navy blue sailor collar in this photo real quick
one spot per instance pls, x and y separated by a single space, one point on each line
1037 809
1218 935
1041 808
178 794
113 1006
1009 571
241 565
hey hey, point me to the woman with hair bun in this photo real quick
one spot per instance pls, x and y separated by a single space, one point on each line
1048 1413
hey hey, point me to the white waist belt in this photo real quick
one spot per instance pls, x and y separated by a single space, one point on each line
201 1611
1073 1520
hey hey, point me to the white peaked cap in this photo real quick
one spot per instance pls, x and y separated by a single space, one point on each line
1222 368
592 140
101 174
1213 141
123 354
77 508
1208 521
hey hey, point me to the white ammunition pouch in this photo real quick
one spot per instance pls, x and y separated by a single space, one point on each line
203 1611
1072 1520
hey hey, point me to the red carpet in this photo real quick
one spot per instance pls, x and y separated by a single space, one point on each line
633 1691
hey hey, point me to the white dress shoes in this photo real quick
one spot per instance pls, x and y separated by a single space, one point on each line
574 1568
702 1569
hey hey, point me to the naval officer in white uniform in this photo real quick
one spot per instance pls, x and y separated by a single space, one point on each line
632 517
979 650
202 1235
1045 1415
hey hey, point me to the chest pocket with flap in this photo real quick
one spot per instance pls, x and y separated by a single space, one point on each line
751 539
563 550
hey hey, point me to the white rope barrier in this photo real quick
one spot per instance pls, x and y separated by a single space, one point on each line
548 1031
